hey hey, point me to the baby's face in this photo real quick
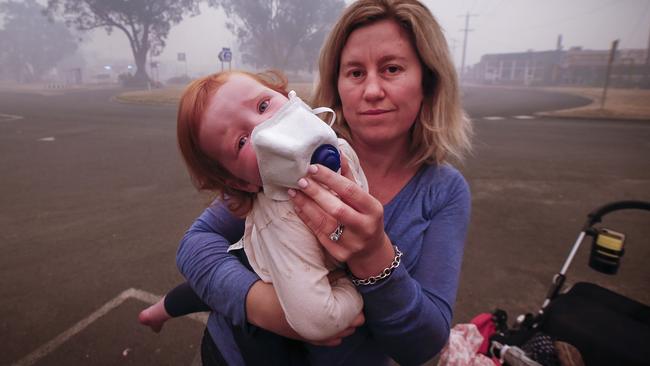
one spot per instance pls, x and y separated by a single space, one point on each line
236 108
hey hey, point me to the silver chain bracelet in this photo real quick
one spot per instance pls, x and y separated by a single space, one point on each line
385 273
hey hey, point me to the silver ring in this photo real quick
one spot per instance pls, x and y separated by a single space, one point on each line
336 235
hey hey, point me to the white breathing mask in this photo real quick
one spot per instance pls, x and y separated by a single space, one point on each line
287 143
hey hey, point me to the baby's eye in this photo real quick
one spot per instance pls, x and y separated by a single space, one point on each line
242 141
263 106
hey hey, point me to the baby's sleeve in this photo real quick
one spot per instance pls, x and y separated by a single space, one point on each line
296 263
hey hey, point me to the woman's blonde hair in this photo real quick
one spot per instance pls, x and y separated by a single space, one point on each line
206 173
442 130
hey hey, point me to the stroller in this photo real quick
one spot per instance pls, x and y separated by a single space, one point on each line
605 327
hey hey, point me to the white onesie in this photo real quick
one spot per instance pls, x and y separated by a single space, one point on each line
282 250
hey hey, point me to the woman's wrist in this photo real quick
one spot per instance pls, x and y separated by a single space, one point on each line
383 274
372 263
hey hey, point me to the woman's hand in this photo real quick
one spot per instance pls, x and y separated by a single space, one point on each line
328 199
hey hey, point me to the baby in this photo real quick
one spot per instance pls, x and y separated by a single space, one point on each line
232 131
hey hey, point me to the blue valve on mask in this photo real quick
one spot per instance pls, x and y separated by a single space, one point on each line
328 156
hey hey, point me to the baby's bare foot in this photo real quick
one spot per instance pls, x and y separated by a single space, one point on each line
154 316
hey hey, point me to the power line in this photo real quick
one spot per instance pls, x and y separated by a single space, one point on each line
473 5
484 5
494 9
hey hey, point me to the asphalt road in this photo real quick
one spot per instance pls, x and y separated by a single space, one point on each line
94 198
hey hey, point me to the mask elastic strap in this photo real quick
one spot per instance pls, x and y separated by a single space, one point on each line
324 110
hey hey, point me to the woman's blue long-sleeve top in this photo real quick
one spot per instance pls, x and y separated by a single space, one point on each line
408 315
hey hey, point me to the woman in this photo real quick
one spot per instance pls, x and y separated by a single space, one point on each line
385 69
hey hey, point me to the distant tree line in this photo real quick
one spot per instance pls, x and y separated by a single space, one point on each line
29 45
283 34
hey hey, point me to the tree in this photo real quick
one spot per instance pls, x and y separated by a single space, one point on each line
29 44
146 23
283 34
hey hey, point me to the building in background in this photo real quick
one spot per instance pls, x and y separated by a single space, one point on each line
559 67
588 67
522 68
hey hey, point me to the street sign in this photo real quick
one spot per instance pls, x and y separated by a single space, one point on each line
225 55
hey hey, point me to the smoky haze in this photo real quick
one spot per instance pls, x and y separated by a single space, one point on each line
497 26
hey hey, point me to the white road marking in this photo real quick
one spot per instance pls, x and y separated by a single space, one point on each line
55 343
9 117
47 139
493 118
525 117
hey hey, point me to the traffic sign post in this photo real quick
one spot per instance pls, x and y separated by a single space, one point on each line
182 57
225 55
153 69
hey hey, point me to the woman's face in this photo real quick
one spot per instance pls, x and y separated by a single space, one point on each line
380 83
239 105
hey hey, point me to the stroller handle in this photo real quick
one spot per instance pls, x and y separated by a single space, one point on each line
596 215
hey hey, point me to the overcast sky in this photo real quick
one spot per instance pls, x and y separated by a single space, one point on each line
498 26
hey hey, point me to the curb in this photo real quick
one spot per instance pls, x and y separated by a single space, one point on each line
561 115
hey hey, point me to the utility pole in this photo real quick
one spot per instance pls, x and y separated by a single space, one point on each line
647 65
647 53
612 54
466 30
